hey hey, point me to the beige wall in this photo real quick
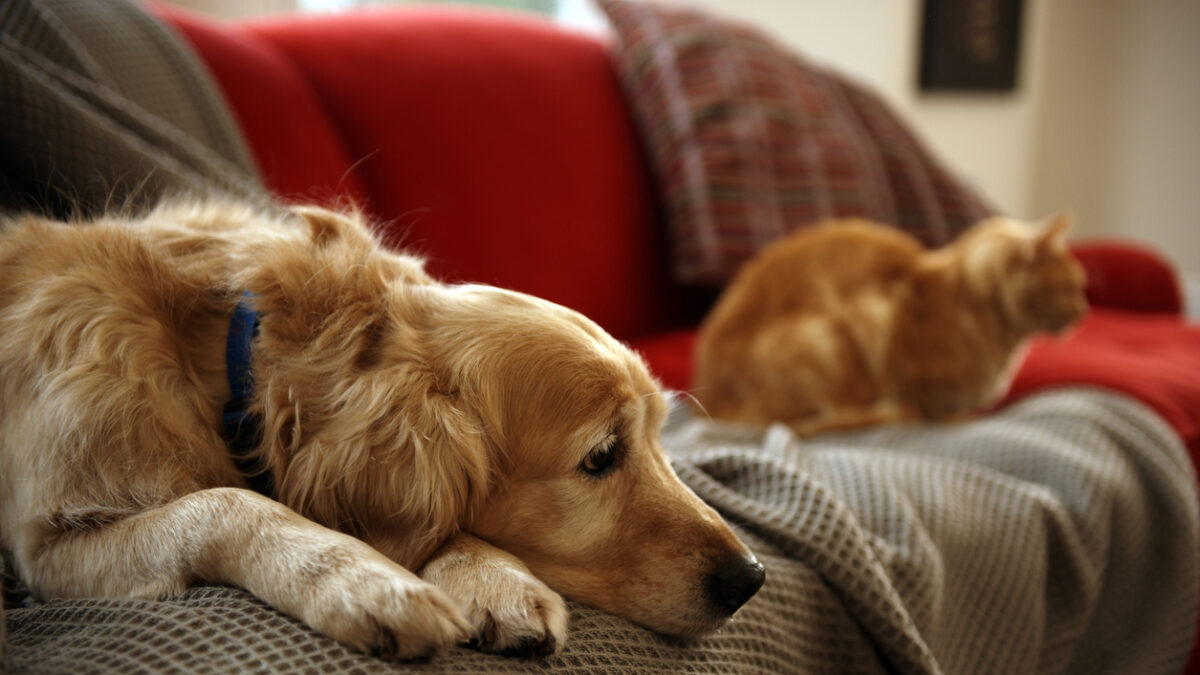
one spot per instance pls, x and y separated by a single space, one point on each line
1121 127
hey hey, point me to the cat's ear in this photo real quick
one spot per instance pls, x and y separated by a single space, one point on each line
1053 230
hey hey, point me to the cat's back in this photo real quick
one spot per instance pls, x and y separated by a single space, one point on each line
805 327
839 249
815 267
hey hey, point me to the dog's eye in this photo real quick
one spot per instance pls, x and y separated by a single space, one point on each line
603 458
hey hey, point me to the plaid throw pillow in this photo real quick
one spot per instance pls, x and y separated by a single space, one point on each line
749 141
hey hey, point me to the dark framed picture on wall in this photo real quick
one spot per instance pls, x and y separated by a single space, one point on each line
970 45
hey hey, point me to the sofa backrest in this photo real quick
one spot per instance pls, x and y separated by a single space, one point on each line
496 144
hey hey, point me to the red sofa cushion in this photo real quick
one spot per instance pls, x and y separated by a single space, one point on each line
1152 357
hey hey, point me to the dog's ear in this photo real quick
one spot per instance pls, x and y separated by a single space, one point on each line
384 455
333 277
326 226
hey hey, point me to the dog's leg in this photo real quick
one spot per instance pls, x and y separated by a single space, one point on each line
512 611
335 583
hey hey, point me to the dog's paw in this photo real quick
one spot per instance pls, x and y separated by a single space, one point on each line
385 610
511 611
517 615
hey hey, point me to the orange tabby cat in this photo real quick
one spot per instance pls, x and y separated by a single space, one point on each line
851 323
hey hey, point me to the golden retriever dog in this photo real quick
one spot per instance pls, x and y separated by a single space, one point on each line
440 457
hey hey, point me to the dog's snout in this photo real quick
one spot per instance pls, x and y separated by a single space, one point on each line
735 581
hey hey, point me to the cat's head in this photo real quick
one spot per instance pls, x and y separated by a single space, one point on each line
1028 270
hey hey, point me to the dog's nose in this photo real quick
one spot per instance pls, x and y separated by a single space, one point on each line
735 581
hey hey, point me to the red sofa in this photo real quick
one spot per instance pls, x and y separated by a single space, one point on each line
502 148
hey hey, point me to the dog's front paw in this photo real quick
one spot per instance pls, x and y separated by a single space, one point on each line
385 610
511 611
519 616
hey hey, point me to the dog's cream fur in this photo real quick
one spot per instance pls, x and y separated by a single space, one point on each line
408 425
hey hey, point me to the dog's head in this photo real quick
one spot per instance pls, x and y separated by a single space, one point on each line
401 410
583 492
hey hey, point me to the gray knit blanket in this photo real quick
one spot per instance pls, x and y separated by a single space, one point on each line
1056 536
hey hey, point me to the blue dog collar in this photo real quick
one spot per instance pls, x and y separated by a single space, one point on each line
243 431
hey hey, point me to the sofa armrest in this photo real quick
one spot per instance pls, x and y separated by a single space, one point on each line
1129 277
